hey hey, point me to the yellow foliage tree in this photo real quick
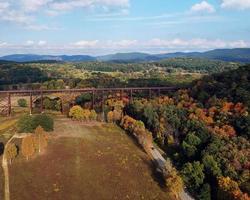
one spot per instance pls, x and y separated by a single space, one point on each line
40 139
28 147
11 152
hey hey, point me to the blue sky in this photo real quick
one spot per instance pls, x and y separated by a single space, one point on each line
106 26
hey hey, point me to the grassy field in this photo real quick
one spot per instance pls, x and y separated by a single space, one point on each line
85 161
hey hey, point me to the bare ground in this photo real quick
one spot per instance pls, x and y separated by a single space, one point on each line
85 161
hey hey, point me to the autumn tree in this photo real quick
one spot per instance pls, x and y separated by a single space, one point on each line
110 117
93 115
40 139
28 147
76 112
11 152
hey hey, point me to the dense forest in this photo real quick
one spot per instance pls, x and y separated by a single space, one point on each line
205 129
198 64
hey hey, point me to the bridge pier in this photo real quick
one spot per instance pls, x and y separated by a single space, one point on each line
41 108
9 104
93 99
31 103
131 96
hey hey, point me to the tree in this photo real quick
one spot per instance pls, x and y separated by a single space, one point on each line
25 124
190 144
205 192
76 112
110 117
193 174
40 139
11 152
22 102
211 165
28 147
93 115
47 104
43 120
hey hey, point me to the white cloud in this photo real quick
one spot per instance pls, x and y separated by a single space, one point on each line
25 12
42 43
124 43
33 5
204 6
3 5
85 44
3 44
29 42
196 43
236 4
93 47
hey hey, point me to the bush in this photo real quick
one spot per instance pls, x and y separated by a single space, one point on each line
45 121
93 115
22 103
28 123
48 104
76 112
25 124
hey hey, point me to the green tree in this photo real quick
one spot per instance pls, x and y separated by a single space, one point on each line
22 102
47 104
190 144
45 121
211 165
25 124
193 174
205 192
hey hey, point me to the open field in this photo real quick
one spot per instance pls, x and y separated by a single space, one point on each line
85 161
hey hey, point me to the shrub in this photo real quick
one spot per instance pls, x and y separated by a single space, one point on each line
45 121
173 181
93 115
25 124
110 117
76 112
22 103
28 123
48 104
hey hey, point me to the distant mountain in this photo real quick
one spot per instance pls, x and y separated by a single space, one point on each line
231 55
133 57
33 57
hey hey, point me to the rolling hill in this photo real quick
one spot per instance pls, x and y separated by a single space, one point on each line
231 55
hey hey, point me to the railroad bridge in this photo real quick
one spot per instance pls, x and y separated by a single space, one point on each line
99 95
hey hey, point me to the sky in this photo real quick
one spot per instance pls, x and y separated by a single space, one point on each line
98 27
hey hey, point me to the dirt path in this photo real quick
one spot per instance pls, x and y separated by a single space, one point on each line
6 168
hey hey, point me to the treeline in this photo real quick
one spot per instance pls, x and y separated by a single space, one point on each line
233 85
197 65
112 67
18 73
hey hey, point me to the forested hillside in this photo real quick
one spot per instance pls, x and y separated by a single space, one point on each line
205 129
233 85
198 64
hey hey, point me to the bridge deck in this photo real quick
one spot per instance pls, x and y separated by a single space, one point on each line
5 96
